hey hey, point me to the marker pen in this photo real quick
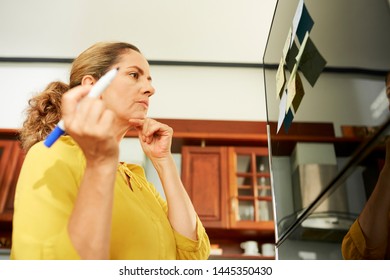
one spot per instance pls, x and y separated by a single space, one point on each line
96 91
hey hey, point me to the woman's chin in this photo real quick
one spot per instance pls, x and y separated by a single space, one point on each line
139 116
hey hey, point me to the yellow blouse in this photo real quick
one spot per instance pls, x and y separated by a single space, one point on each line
354 245
44 199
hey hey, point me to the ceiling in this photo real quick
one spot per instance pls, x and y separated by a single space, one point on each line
348 33
170 30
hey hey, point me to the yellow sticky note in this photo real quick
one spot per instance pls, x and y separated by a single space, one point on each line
291 88
299 92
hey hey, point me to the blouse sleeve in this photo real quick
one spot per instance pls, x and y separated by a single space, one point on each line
186 248
354 243
44 198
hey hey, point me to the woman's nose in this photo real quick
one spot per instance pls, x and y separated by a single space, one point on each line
149 89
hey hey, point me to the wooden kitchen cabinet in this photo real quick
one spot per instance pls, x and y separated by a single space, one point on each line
11 159
205 177
229 186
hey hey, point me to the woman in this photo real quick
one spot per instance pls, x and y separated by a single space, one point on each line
74 200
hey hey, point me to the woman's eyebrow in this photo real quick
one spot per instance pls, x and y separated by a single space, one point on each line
140 70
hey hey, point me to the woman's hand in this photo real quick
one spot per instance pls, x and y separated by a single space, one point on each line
90 124
155 137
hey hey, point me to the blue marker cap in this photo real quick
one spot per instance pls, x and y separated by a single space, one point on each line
53 136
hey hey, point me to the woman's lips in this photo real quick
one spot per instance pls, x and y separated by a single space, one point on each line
144 103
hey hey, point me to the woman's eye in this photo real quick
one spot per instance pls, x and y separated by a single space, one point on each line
135 75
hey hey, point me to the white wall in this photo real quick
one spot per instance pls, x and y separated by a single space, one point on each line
181 92
201 30
18 83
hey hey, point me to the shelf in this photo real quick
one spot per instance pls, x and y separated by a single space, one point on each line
251 198
245 187
244 133
189 132
244 174
240 235
239 257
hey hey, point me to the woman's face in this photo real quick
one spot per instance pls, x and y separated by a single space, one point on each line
129 93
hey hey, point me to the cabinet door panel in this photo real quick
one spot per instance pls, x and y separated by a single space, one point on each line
5 156
11 160
204 174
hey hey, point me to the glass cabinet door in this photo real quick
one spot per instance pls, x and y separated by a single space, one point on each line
250 187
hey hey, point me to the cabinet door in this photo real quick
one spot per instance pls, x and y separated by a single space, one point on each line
204 175
250 188
11 159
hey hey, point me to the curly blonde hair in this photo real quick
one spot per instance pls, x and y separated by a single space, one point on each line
43 113
44 109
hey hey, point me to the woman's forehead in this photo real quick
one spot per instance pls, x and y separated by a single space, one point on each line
133 58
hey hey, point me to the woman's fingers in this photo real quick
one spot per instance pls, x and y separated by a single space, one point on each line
149 129
137 123
71 99
85 116
90 115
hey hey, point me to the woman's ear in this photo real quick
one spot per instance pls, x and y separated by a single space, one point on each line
88 80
